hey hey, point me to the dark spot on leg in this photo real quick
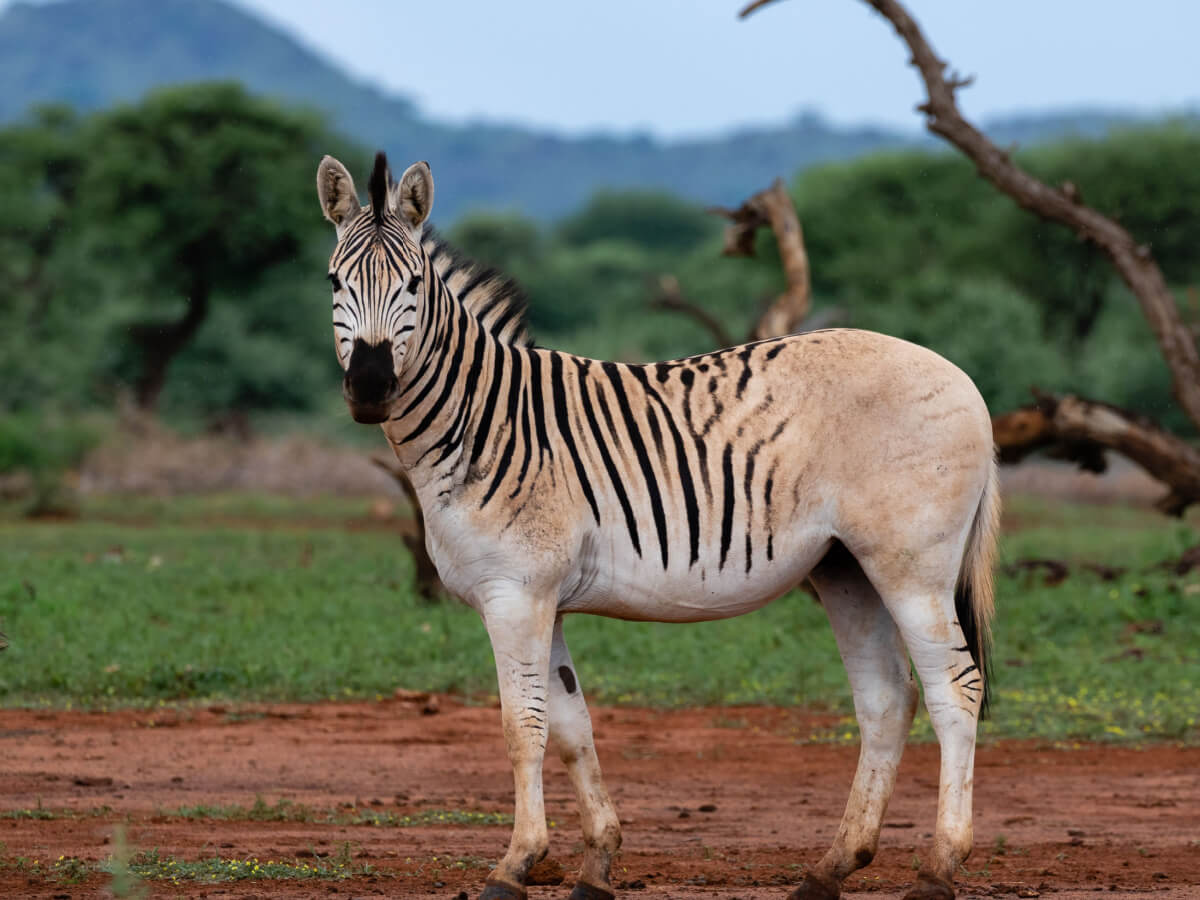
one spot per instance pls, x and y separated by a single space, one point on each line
864 856
568 678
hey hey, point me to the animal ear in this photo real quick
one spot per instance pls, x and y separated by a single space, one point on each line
335 189
412 196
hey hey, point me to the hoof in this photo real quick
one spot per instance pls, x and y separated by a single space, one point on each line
930 887
502 890
585 891
816 888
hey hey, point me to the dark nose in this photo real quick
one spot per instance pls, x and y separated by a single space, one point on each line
370 383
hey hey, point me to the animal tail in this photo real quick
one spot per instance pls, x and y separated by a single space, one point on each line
974 596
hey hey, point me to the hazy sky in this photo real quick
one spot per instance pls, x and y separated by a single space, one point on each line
690 66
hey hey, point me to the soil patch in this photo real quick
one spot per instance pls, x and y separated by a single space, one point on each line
716 803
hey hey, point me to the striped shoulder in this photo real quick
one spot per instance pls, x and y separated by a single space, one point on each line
495 299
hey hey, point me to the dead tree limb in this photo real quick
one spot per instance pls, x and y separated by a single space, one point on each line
1133 260
773 207
1071 427
671 298
1080 430
429 585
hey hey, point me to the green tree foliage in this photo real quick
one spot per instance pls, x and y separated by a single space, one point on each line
506 242
44 284
916 244
200 190
120 220
173 247
655 222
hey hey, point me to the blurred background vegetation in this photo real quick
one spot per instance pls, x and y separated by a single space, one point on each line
166 253
162 263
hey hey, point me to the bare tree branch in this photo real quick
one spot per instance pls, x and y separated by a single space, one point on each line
671 298
1071 427
429 585
756 5
773 207
1082 430
1132 260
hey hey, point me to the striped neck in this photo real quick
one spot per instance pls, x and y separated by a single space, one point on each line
433 419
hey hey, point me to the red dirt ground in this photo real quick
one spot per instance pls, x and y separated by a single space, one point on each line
716 803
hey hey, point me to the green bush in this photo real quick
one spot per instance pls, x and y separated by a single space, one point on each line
46 448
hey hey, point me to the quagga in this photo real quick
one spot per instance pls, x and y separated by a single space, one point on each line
675 492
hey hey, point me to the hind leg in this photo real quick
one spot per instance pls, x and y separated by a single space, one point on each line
923 606
571 734
953 690
885 698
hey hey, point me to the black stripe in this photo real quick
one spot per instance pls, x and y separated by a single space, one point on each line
768 493
483 430
748 483
639 448
511 312
478 278
656 433
602 446
448 387
514 400
453 436
525 436
744 378
727 513
433 337
539 407
686 484
968 670
688 377
558 389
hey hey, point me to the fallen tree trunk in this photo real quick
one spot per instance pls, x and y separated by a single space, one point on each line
1081 430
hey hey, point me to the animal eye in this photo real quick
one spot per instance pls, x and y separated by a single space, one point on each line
414 284
335 281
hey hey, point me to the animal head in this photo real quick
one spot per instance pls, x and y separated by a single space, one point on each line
379 273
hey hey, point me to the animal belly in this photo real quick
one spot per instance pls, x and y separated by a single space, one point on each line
644 592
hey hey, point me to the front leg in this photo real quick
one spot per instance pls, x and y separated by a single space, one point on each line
520 627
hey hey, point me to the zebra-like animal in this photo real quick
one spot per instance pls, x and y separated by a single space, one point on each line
675 492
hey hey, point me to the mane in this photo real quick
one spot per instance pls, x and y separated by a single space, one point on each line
494 298
378 186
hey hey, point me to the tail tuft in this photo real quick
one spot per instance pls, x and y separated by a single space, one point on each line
974 596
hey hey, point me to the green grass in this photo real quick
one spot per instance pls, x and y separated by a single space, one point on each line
215 870
147 602
127 870
286 811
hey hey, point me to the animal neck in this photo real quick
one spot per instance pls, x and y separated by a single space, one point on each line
435 418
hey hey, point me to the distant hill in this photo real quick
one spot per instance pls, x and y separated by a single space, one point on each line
92 53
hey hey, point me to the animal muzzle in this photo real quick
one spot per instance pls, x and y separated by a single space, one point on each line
370 386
